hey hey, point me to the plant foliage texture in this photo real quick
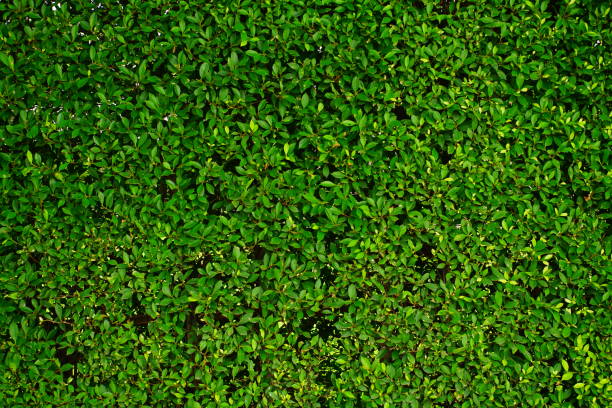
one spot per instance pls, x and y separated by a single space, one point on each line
305 203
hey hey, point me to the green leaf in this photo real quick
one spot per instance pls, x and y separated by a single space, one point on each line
352 291
348 394
8 61
579 342
233 62
498 298
253 126
204 70
14 331
365 363
193 404
142 69
192 163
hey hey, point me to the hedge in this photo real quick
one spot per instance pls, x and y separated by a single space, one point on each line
305 203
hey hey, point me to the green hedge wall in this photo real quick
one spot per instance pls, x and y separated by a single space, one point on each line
305 203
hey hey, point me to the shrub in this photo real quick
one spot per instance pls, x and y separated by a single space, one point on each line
305 204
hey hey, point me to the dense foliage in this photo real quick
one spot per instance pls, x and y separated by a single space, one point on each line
305 204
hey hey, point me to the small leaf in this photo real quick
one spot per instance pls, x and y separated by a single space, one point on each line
365 363
142 69
193 404
565 365
349 394
305 100
352 291
233 59
498 298
13 331
203 70
579 342
192 163
7 60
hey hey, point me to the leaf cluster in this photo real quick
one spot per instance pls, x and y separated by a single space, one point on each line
305 204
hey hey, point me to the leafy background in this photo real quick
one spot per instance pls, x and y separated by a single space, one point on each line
308 204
